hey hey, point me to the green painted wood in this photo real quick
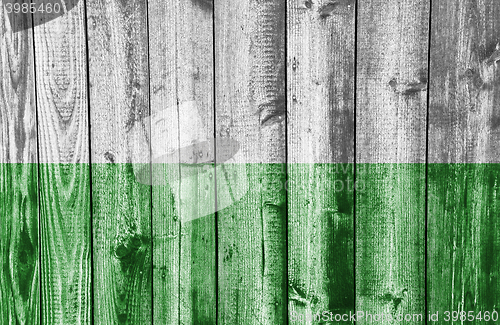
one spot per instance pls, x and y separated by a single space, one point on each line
463 237
320 74
19 283
390 247
252 287
463 240
390 152
65 275
61 86
122 246
121 206
19 232
321 247
250 108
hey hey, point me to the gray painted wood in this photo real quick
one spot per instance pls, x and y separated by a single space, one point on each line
463 121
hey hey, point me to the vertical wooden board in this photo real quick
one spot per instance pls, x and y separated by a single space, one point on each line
463 237
19 281
121 206
390 247
162 26
252 276
321 247
463 120
19 237
463 240
320 59
390 149
194 63
250 109
61 79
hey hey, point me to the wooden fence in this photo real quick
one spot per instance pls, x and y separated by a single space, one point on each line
367 147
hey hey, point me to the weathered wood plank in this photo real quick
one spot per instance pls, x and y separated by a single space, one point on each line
164 137
181 79
390 152
182 91
321 250
320 155
61 79
194 39
463 120
463 236
19 236
250 108
463 239
390 230
121 211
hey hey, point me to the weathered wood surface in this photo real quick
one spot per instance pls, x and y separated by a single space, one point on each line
195 82
19 236
121 206
250 108
181 55
463 226
183 124
320 70
164 138
63 136
391 110
463 239
275 232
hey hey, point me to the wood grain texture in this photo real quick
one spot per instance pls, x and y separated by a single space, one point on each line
463 120
463 237
65 250
321 248
121 211
390 247
390 149
320 155
184 190
194 62
205 241
250 108
164 137
19 236
18 119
